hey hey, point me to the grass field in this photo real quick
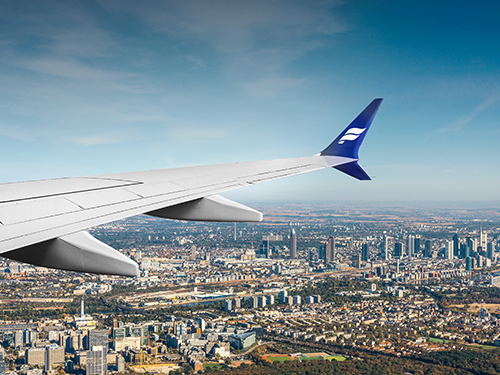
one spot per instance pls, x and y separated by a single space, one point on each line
212 365
338 358
277 358
434 339
485 347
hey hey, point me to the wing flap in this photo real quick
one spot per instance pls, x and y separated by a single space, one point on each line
93 199
155 189
214 208
31 210
20 191
76 252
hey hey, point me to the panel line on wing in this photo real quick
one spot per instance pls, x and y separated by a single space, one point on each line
120 213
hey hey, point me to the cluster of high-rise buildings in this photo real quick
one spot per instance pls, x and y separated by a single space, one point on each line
477 252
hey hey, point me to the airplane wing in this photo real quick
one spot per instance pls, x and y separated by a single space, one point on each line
43 222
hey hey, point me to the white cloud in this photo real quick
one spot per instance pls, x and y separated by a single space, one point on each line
459 123
93 140
256 39
269 87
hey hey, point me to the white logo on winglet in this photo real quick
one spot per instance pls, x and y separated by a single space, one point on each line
351 135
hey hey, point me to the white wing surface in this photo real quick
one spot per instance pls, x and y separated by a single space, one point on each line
43 222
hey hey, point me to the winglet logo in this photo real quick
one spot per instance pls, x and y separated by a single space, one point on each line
351 135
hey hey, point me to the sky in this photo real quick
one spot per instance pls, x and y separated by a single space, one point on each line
97 87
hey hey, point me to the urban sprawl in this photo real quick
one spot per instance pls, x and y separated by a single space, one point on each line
316 281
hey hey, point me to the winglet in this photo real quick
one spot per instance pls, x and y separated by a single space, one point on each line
348 142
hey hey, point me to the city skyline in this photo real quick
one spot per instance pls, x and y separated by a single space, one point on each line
103 87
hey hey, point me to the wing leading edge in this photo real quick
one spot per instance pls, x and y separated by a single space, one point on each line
43 222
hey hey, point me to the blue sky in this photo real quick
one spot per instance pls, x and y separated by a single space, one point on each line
93 87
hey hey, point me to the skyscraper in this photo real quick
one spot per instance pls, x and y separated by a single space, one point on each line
428 249
489 251
322 252
293 244
398 249
448 251
472 244
468 264
330 249
365 252
483 239
385 248
311 254
411 246
456 251
283 295
416 245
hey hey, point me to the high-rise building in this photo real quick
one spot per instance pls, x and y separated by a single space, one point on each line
193 253
98 337
237 303
448 251
293 244
97 363
34 356
365 252
330 249
264 249
310 256
53 354
411 246
456 249
468 263
385 248
428 249
462 251
472 244
18 339
483 239
270 299
262 301
228 305
322 252
254 302
398 250
490 252
29 336
283 295
416 245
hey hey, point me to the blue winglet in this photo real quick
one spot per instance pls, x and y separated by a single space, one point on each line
353 169
348 142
